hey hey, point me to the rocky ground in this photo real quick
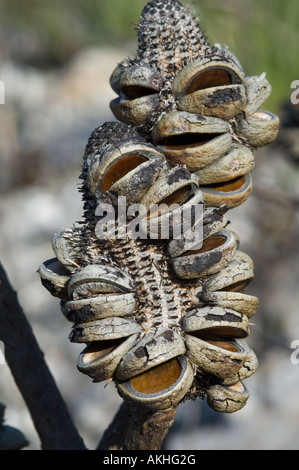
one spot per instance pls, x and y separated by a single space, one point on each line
44 126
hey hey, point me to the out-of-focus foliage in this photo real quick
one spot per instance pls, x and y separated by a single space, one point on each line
48 32
263 33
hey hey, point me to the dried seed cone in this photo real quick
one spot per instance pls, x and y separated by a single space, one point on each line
165 314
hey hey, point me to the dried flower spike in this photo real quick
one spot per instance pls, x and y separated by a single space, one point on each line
165 321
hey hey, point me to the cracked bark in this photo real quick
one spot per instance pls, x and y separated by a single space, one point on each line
136 428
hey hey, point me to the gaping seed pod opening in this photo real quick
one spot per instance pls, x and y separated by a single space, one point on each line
138 87
99 306
162 386
55 277
108 340
215 253
119 169
235 277
227 289
212 336
232 193
100 359
212 87
219 355
126 169
217 321
175 186
191 140
157 347
165 220
138 81
172 195
95 279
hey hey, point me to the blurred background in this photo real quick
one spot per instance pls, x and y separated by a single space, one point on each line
55 62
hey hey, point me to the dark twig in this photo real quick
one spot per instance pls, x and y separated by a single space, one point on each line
136 428
148 429
32 376
114 437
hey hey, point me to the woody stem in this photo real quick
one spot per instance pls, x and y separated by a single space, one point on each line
136 428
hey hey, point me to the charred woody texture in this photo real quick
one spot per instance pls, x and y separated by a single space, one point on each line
167 323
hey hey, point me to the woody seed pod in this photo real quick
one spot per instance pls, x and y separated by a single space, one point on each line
54 277
155 348
227 399
127 170
232 193
237 162
159 387
211 86
190 139
214 254
258 129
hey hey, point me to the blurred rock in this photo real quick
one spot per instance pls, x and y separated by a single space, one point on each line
48 115
10 438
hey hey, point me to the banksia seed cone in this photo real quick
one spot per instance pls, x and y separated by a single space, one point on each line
166 321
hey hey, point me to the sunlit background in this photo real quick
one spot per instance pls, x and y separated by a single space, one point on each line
55 62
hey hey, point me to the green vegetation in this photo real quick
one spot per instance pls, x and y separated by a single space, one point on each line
263 33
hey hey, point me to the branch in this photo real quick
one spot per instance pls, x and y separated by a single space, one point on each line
148 429
114 437
136 428
32 376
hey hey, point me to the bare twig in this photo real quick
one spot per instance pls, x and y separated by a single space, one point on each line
114 436
32 376
136 428
148 429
